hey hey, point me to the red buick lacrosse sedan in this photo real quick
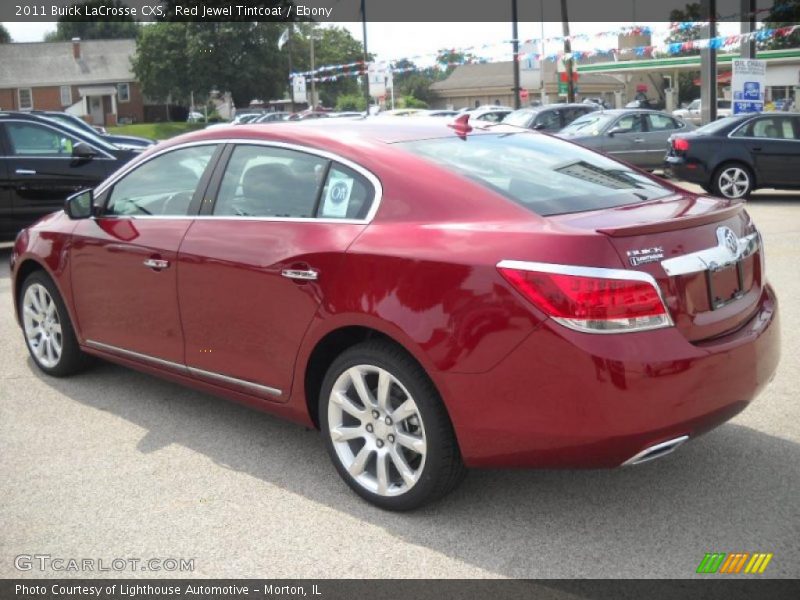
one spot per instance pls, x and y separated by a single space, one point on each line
432 297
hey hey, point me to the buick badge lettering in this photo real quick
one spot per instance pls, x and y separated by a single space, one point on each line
645 255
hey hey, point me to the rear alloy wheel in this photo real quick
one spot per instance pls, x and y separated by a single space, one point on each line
386 429
733 181
48 332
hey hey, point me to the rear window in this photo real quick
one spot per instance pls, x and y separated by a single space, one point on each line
541 173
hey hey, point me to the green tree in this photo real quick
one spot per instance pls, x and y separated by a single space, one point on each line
332 46
783 14
448 60
5 37
239 57
687 90
351 102
116 27
161 62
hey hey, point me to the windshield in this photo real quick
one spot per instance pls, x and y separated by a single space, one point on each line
591 124
520 118
541 173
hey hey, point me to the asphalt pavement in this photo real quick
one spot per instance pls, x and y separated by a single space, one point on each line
118 464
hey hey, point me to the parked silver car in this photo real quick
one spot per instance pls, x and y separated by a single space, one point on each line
693 112
637 136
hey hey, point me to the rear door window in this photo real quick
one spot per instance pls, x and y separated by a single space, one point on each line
658 122
264 181
548 120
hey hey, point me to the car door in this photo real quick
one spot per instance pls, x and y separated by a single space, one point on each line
658 128
256 265
42 170
774 147
8 225
629 143
124 261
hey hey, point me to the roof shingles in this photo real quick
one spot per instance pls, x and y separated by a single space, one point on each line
52 63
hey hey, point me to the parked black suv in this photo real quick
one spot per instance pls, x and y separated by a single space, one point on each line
126 142
551 117
42 163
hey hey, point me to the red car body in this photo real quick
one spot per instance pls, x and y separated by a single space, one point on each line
521 389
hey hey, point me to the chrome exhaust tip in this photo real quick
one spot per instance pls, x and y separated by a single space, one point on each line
654 452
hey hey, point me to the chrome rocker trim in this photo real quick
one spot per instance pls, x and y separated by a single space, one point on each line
185 370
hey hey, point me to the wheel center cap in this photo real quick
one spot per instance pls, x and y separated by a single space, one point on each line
381 429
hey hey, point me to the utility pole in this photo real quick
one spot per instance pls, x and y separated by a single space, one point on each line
567 52
515 47
748 25
291 69
366 53
708 67
313 76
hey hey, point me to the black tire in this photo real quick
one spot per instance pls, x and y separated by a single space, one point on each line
72 359
718 187
442 469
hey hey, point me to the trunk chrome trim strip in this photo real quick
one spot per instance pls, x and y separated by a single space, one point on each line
721 256
186 370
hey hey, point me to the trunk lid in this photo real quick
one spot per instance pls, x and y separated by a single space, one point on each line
704 253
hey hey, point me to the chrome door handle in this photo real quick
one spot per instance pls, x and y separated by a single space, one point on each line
301 274
156 263
638 140
25 172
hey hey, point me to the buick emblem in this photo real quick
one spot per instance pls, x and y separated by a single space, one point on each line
728 239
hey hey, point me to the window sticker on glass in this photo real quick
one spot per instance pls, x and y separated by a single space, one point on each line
337 195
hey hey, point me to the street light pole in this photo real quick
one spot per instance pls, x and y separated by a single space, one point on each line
313 76
366 53
515 47
567 52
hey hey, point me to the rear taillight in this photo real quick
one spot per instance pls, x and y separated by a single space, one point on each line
680 144
589 299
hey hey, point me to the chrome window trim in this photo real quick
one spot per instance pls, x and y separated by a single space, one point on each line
714 258
186 370
746 122
49 126
369 175
600 272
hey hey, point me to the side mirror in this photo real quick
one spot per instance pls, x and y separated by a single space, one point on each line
84 151
615 130
80 205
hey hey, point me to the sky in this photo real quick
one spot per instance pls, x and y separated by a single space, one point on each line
391 41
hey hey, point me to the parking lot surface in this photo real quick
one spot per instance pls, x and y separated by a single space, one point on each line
114 463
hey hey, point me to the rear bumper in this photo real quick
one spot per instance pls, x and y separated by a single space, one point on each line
566 399
679 167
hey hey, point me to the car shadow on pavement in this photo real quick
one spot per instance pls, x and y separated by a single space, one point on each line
726 491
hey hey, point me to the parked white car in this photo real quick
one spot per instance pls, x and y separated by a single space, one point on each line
692 113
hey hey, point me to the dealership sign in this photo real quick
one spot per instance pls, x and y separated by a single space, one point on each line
380 79
747 87
299 93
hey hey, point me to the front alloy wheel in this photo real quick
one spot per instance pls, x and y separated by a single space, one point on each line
42 326
47 328
386 428
734 182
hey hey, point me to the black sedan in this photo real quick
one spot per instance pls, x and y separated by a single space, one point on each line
124 142
733 156
42 163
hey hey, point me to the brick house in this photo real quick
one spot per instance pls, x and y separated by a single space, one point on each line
91 79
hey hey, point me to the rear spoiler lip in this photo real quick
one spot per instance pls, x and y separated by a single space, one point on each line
674 224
